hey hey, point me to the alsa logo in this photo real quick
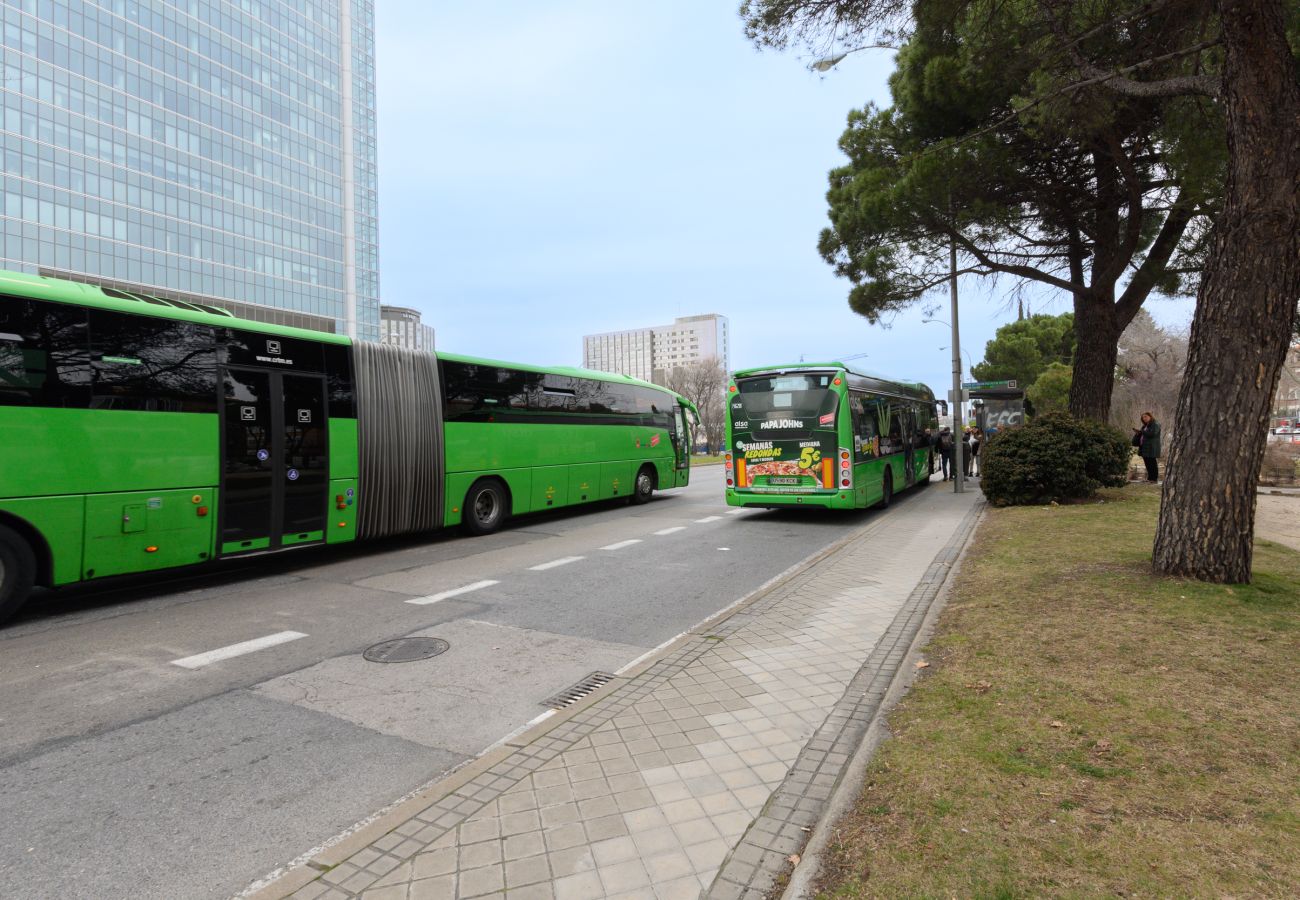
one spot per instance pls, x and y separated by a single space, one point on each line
781 423
654 441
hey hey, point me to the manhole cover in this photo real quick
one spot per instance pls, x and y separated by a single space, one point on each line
406 650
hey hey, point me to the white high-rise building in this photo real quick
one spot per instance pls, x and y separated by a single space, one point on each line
401 326
649 353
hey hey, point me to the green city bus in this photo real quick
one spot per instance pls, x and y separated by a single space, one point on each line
822 434
140 432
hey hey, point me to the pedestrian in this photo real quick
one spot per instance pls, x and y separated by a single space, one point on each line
976 438
966 457
1147 440
944 445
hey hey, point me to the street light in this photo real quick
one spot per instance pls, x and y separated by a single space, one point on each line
826 63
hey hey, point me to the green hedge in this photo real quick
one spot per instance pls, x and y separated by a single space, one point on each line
1053 457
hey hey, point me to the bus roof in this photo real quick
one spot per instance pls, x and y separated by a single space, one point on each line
867 381
59 290
571 371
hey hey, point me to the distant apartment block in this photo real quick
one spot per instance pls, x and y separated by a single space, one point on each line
401 327
649 353
1286 402
202 150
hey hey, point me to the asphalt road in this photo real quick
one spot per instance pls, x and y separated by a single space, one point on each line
124 774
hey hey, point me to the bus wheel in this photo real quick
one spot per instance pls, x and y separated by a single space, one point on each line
888 485
17 572
644 487
486 507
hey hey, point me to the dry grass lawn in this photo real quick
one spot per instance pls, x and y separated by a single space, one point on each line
1086 729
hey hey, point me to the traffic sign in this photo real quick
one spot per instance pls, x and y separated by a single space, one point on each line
989 385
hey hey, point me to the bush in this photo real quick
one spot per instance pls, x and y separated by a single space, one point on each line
1053 457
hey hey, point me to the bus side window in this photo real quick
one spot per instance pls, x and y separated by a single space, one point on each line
338 374
458 390
865 432
147 363
557 394
44 355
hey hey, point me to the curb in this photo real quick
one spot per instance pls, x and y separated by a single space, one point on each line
854 775
304 870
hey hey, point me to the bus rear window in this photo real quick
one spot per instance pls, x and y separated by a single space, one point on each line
799 402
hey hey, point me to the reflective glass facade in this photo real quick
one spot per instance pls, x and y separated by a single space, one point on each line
219 149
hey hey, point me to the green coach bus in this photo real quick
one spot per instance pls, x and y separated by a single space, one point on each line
822 434
141 432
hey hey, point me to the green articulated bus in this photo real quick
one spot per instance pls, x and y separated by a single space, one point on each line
141 433
821 434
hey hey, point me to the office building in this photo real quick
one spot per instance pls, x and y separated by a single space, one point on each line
650 353
198 149
401 327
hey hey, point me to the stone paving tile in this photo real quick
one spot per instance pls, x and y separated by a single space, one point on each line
646 792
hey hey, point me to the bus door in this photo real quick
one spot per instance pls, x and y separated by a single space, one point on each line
682 445
911 440
275 464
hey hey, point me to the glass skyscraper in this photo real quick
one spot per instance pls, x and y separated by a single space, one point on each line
197 148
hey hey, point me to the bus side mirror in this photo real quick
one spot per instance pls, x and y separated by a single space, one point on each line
941 407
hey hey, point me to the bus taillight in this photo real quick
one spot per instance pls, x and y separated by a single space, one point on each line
828 473
740 473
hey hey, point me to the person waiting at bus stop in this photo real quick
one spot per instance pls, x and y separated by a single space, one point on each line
944 445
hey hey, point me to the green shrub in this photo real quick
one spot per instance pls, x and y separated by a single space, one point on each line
1053 457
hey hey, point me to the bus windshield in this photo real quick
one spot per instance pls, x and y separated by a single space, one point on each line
785 402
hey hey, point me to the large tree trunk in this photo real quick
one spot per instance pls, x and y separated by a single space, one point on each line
1244 310
1097 331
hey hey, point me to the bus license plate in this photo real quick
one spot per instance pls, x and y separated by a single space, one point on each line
778 480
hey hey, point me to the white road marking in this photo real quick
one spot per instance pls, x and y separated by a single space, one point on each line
671 530
621 544
724 548
555 563
434 598
199 660
708 519
735 512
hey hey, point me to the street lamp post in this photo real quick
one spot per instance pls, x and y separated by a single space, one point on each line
959 478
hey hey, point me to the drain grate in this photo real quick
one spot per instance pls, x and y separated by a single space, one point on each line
410 649
571 695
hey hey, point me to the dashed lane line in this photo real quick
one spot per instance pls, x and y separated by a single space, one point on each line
708 519
621 544
675 528
199 660
555 563
456 592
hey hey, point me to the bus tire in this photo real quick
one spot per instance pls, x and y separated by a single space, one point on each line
887 487
644 486
17 572
487 506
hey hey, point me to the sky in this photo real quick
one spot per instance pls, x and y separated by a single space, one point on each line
549 170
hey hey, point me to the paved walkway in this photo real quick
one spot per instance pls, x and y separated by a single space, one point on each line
1277 517
695 774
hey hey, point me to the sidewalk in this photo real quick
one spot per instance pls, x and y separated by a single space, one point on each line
697 773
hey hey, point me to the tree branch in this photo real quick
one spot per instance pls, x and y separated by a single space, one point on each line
1145 278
